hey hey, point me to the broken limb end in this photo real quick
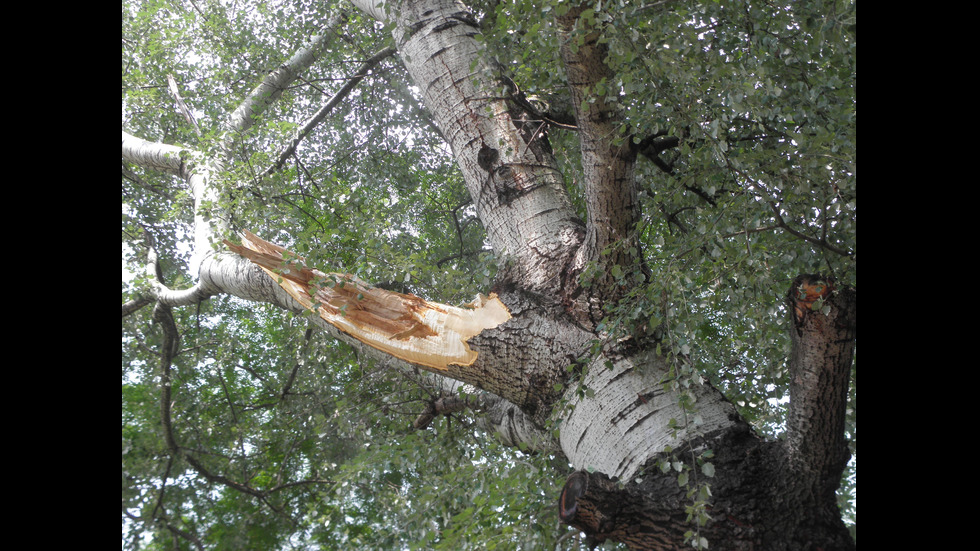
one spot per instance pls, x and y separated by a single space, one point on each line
806 291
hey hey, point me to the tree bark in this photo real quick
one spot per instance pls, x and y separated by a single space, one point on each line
511 176
611 246
621 413
624 421
764 495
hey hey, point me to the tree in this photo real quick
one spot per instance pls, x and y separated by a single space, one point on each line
654 205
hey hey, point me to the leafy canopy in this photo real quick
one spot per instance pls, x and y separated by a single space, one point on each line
758 187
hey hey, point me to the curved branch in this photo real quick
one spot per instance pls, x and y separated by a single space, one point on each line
273 85
505 170
163 316
165 296
132 306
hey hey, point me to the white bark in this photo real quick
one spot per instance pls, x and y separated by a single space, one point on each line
630 417
166 158
273 85
518 191
375 8
195 170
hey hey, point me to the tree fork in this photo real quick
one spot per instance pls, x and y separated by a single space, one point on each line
651 511
763 495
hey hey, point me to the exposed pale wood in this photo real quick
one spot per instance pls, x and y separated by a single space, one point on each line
406 326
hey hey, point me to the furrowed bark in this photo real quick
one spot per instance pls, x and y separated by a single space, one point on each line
823 339
823 335
764 495
608 160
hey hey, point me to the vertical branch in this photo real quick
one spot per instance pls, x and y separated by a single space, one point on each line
607 163
823 338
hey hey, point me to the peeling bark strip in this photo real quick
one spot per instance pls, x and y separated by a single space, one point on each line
407 327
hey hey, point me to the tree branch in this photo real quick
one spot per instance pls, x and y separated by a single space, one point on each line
822 242
132 306
156 156
608 160
823 338
273 85
188 115
310 124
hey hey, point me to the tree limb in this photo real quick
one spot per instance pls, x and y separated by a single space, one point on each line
273 85
135 304
608 159
823 341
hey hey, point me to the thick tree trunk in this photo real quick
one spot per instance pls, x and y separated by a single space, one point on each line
629 413
509 171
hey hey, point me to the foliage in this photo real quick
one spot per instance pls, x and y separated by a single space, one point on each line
761 188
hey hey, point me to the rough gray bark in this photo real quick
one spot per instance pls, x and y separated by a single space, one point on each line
608 161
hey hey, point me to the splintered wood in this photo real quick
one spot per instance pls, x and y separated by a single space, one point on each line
405 326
